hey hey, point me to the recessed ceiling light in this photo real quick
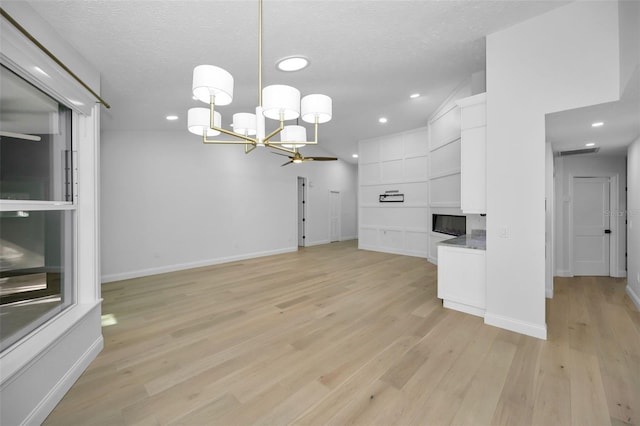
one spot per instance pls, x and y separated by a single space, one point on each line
415 95
172 117
590 144
292 63
597 124
382 119
355 155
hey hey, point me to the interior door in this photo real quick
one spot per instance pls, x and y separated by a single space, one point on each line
334 215
591 226
302 210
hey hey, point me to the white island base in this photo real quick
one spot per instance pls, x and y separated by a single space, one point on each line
462 279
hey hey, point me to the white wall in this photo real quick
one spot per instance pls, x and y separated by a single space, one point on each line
633 225
37 371
394 162
629 15
564 59
589 166
170 202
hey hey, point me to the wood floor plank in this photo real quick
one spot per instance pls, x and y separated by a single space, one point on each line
353 337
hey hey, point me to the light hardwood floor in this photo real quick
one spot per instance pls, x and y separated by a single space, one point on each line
335 335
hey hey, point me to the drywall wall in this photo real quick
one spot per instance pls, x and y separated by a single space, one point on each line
396 162
633 222
564 59
169 202
629 15
590 166
37 371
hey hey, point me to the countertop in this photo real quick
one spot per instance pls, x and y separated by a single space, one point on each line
475 241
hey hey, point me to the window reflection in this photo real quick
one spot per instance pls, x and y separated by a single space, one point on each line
36 273
35 143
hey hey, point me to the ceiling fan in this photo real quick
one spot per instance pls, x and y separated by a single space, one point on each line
298 158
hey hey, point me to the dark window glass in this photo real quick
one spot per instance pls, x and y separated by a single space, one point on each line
35 143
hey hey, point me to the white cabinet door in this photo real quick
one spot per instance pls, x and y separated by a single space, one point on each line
473 158
462 279
473 169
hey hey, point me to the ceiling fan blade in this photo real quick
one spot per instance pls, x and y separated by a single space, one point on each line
320 158
288 162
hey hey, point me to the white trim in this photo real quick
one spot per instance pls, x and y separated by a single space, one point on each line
619 273
462 307
445 204
394 251
335 191
445 142
21 56
317 243
55 395
635 298
14 205
442 109
614 193
31 347
445 174
564 273
190 265
512 324
549 293
393 206
387 183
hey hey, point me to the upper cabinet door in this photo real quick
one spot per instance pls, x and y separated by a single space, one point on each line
473 158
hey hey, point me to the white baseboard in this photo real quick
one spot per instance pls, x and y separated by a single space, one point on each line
635 297
619 274
190 265
55 395
467 309
433 260
534 330
394 251
316 243
564 273
548 292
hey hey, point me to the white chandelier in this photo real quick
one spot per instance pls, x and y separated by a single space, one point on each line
214 85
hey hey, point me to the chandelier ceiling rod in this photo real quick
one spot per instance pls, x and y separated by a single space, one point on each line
260 53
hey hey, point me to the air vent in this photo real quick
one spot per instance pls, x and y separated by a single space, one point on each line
578 152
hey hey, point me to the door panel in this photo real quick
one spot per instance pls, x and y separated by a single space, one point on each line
302 209
590 221
334 216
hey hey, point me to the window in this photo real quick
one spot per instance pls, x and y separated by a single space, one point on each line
37 213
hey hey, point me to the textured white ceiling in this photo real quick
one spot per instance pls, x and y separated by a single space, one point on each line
369 56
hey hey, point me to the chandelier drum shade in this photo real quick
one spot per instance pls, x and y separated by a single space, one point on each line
291 135
199 120
214 86
209 80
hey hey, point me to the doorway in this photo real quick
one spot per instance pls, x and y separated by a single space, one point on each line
591 226
302 210
334 216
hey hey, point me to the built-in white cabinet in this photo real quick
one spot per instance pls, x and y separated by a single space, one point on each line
462 279
473 157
